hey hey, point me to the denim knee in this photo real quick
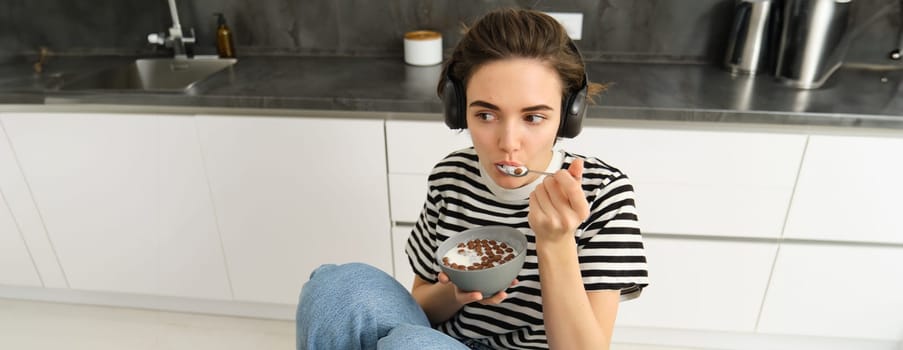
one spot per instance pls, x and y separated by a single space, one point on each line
353 303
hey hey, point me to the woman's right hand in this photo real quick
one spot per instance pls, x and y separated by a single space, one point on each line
465 298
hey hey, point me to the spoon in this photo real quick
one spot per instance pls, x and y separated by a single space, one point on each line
519 171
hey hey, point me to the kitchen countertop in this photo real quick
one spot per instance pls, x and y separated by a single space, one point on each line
855 96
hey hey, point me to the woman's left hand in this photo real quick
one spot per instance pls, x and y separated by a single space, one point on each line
558 205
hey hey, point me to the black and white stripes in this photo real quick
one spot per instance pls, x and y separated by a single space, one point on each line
610 247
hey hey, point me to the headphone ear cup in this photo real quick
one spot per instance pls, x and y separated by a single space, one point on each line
453 101
572 114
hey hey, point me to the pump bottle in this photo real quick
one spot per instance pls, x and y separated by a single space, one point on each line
224 44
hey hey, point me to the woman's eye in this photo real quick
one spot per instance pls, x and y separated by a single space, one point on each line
534 118
485 116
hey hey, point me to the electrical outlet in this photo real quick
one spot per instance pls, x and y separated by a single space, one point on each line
571 21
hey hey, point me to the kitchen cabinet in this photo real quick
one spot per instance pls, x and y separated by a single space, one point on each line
191 253
16 267
835 290
124 201
713 183
403 271
849 190
291 194
697 182
413 148
24 221
407 193
240 210
701 284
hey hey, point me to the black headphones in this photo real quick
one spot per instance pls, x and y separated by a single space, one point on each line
573 104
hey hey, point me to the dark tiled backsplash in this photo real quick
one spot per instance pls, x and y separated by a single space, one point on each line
659 30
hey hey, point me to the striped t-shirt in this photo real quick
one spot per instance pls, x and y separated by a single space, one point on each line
462 196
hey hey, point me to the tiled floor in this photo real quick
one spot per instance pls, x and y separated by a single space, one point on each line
27 325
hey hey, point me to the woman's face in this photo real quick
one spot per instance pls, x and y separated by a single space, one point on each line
513 112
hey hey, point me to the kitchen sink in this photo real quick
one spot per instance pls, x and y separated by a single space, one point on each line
151 74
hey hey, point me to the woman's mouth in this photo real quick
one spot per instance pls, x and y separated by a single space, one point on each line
511 170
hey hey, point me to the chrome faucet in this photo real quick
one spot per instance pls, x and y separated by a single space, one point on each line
177 40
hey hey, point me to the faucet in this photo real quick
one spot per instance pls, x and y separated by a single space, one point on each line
177 40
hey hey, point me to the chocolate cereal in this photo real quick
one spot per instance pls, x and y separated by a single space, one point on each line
478 254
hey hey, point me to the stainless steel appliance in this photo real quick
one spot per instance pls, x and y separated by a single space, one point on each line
751 44
813 41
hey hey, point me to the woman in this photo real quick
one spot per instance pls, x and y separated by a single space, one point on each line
517 83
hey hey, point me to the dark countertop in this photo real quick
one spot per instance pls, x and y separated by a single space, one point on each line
854 96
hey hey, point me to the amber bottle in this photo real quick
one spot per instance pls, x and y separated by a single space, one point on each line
224 44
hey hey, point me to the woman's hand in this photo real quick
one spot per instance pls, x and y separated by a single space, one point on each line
558 205
465 298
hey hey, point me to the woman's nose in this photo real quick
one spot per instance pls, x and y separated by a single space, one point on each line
509 137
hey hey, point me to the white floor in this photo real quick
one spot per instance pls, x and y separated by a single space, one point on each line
26 325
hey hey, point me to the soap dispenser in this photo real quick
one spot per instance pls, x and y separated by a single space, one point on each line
224 45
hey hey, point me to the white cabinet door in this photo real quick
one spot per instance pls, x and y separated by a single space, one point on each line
26 219
123 201
850 189
414 147
294 193
407 193
702 182
701 284
191 261
403 272
16 267
836 291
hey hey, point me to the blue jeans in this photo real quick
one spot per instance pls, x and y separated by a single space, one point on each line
357 306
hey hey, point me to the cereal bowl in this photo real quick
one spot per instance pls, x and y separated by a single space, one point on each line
484 259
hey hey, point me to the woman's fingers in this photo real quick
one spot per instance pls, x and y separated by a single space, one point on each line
569 192
558 205
559 202
569 196
575 193
544 200
576 168
557 191
469 297
462 296
495 299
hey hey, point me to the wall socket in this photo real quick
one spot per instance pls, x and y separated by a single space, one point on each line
571 21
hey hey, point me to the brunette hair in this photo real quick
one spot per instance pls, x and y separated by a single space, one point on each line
521 33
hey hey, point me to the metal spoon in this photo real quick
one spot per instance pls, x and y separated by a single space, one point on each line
519 171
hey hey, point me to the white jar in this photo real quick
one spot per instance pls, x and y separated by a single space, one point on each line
423 48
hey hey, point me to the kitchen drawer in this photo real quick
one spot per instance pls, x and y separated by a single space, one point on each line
702 182
849 190
407 193
835 290
414 147
701 284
